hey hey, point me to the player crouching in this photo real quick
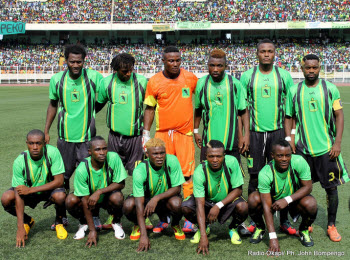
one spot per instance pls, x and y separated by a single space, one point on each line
217 190
98 182
37 176
284 183
156 189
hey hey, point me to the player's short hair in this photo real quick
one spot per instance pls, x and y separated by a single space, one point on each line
265 41
75 49
122 60
280 142
170 49
218 54
36 132
95 138
215 144
155 142
309 57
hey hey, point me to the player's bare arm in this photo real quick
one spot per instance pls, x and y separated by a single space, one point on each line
243 125
197 121
92 237
50 116
21 233
152 204
288 124
57 182
93 199
144 244
339 124
203 246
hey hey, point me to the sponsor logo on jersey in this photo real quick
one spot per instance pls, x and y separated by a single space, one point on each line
218 99
75 96
313 105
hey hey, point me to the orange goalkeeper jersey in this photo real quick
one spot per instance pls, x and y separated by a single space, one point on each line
173 101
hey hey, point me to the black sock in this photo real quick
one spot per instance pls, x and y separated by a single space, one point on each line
332 205
307 221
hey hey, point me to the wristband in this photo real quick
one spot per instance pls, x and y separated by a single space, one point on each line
195 131
293 131
288 199
272 235
146 132
220 204
288 138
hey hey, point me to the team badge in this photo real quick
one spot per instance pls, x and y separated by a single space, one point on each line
218 99
313 105
75 96
186 92
250 162
266 91
123 98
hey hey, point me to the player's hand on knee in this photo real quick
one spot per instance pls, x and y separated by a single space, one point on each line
198 139
279 204
335 151
92 239
150 207
23 190
213 214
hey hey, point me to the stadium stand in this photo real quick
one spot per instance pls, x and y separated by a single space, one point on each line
154 11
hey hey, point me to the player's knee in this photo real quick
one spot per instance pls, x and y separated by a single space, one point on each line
72 201
175 203
186 211
117 199
59 198
254 200
242 208
7 198
310 205
128 206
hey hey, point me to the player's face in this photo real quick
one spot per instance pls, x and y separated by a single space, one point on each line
35 144
266 53
215 158
75 64
172 62
124 73
98 151
156 156
217 68
282 156
311 70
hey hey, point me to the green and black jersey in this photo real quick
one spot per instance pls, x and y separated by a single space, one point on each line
314 111
283 184
76 113
266 97
221 102
125 103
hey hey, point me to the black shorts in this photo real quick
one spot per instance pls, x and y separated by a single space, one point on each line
32 200
292 208
129 149
233 152
72 154
225 213
260 149
330 173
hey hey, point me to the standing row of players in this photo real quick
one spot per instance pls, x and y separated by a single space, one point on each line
240 114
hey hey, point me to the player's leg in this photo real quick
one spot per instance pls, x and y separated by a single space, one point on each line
307 207
238 209
69 156
256 214
134 152
58 196
129 211
114 205
8 202
173 206
75 208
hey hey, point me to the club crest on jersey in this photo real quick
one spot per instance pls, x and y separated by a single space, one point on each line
185 92
75 96
313 105
218 99
123 98
266 91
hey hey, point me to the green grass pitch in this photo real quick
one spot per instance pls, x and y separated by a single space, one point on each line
24 108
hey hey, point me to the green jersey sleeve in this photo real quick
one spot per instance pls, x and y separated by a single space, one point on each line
241 96
199 86
17 170
176 175
117 166
81 186
288 80
102 94
236 171
265 179
290 110
199 182
301 166
52 89
244 81
143 81
57 165
138 179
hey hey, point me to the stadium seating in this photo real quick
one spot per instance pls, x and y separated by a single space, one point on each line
141 11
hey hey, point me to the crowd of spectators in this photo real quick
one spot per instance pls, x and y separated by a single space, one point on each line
194 56
154 11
